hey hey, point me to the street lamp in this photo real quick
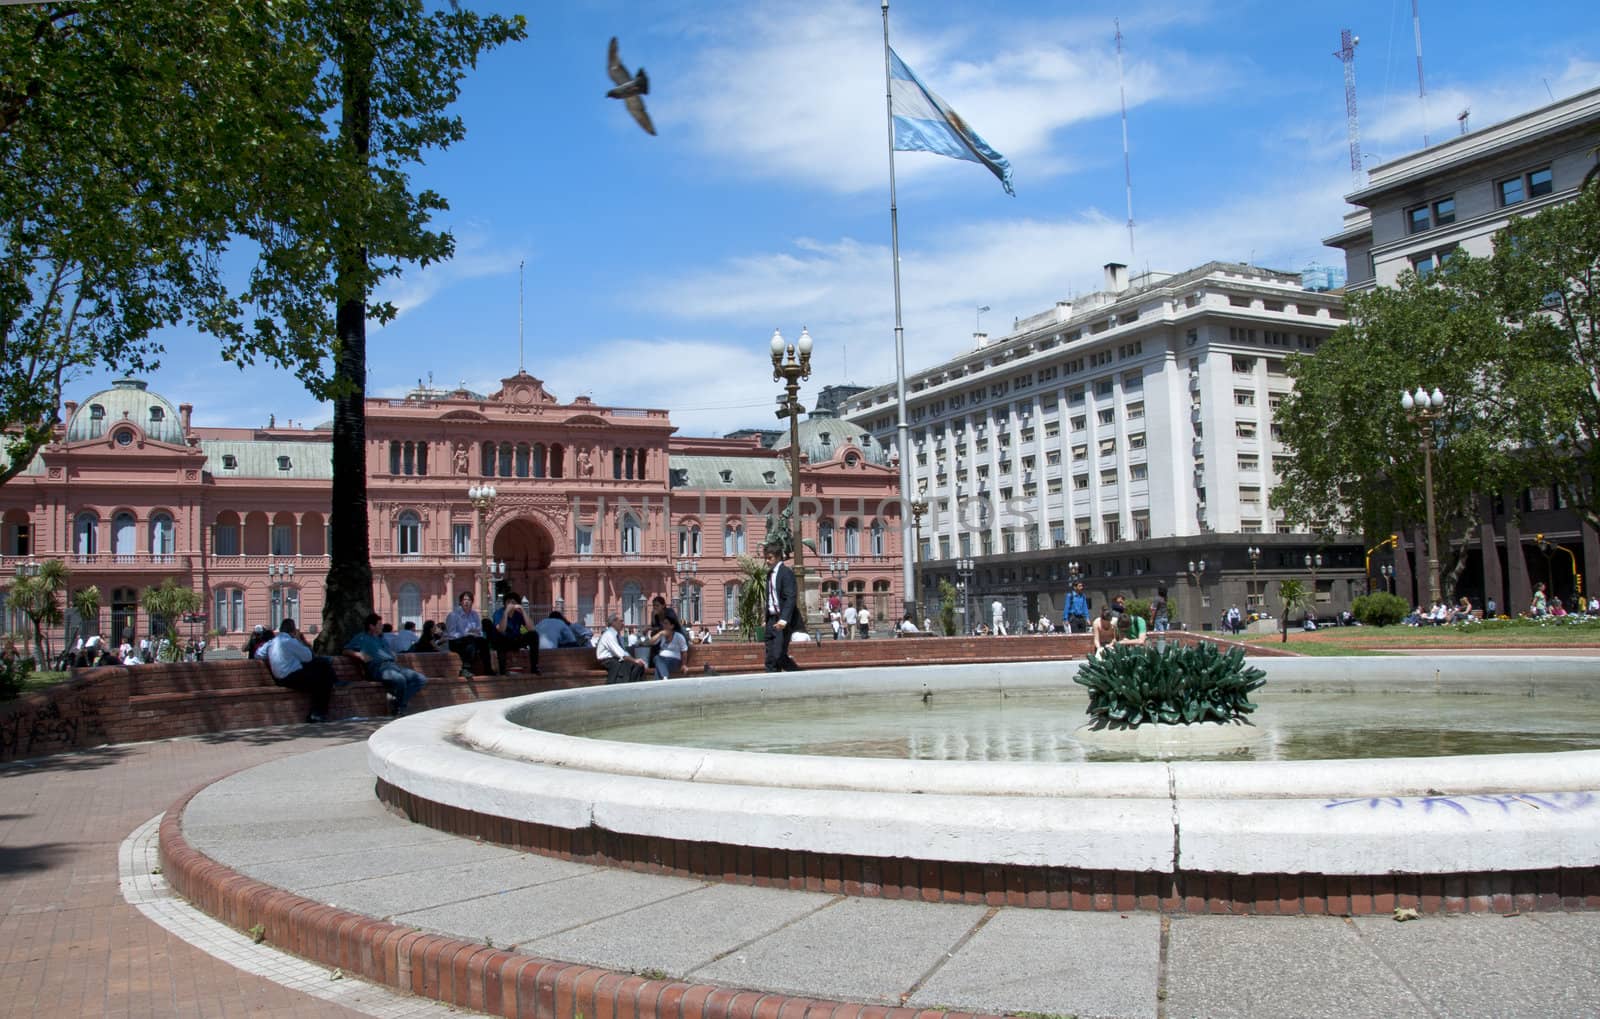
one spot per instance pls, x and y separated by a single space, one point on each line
278 577
1313 563
685 570
1254 552
1074 573
1196 571
482 499
964 571
1387 570
790 364
27 569
1426 408
919 506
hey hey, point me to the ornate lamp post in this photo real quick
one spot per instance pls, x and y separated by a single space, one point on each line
919 506
278 577
964 571
1254 552
482 499
1387 570
790 364
685 569
1426 408
1196 572
1313 563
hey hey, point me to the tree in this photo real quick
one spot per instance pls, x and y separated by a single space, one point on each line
947 607
168 604
1544 279
130 138
86 604
38 598
1356 463
752 597
1293 595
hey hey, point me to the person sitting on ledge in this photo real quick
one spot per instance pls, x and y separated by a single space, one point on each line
1104 631
370 648
510 631
295 667
671 647
464 629
620 666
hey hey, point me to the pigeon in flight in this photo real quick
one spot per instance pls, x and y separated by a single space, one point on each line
629 87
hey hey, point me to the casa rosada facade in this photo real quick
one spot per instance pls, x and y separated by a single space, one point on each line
596 509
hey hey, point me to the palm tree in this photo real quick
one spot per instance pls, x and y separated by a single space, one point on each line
1294 595
169 603
752 597
37 598
86 605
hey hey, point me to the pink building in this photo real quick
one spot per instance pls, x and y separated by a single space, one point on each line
596 508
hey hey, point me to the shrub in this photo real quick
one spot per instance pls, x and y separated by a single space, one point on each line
947 607
14 673
1380 609
1131 684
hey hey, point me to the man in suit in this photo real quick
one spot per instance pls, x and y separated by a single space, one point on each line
783 611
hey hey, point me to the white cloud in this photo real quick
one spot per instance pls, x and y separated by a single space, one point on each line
815 113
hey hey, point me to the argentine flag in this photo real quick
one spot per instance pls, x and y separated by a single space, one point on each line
925 123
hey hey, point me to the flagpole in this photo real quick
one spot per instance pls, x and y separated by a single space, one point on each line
520 266
903 431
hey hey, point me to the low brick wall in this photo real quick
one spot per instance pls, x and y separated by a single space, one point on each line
125 704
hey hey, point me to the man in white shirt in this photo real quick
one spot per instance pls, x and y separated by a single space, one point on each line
464 627
864 620
620 666
295 667
849 622
997 612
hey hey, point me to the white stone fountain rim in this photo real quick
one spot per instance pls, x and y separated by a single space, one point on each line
491 730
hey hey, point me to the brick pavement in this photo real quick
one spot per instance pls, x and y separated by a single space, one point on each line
69 944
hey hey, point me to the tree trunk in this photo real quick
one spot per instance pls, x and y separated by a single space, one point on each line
348 595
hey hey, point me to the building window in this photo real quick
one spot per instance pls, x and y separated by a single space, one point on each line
633 613
1422 264
852 538
1533 184
628 532
408 605
1244 398
825 537
1249 462
284 463
1080 482
1108 477
730 599
408 535
689 603
228 609
283 539
97 420
122 534
226 539
877 538
1138 472
733 539
461 540
161 534
1141 526
285 604
19 538
583 540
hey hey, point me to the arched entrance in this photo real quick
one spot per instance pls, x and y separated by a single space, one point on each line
526 548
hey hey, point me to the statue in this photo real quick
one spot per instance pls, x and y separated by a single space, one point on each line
781 536
461 457
585 464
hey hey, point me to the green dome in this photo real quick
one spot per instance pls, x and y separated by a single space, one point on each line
131 401
822 436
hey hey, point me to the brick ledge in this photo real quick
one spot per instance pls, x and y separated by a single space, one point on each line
464 973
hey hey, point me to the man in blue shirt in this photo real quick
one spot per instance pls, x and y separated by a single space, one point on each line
464 627
510 631
373 651
1076 612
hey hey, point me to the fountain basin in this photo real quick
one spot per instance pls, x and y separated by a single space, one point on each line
524 762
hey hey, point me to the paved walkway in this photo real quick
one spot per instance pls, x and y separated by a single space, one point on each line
309 824
69 943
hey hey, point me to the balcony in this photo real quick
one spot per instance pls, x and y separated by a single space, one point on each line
166 562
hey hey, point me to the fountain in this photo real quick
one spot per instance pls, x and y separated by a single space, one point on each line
1442 783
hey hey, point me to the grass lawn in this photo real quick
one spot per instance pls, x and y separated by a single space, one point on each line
1349 640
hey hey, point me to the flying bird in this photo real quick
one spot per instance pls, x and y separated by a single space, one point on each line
629 87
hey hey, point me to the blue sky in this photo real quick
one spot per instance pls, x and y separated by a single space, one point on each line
657 268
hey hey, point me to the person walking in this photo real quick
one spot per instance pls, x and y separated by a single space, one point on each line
864 621
783 611
851 617
1158 611
997 614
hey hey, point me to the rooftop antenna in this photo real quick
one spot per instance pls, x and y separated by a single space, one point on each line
520 266
977 318
1347 54
1127 165
1461 118
1422 91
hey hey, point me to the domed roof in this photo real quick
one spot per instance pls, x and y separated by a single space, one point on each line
823 435
127 400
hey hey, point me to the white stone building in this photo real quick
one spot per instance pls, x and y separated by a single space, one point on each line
1129 431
